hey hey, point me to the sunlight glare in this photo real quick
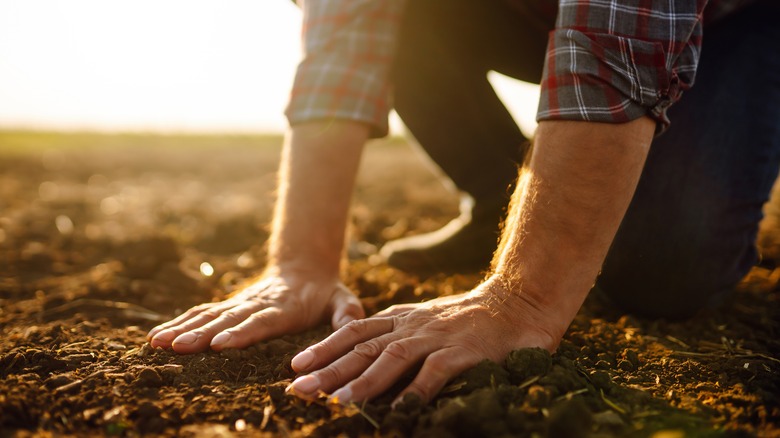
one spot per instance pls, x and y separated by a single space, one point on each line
147 65
177 65
206 269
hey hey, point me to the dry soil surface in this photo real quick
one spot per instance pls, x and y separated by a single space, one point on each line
102 237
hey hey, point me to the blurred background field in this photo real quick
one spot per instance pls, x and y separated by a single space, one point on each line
102 236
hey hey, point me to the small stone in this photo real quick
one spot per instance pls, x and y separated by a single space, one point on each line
631 356
170 370
59 380
145 350
90 414
149 377
76 360
116 346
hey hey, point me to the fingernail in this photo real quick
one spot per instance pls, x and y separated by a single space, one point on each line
165 336
343 396
302 360
153 332
305 384
220 339
187 338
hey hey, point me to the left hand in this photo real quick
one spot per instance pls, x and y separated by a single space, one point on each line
448 335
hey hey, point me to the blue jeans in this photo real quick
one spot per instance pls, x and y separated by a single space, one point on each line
689 234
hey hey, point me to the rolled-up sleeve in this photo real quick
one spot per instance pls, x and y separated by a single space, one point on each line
348 50
616 61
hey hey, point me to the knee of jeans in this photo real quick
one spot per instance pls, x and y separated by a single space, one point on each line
414 69
660 301
674 286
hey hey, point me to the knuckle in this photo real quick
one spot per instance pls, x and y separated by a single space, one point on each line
356 327
329 376
232 316
398 350
421 389
354 309
368 350
211 313
362 384
437 364
199 332
260 320
200 308
327 347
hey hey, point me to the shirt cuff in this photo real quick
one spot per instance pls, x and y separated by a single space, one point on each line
328 89
348 50
601 77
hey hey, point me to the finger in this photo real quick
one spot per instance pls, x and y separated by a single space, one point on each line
395 361
343 370
341 342
345 307
396 310
438 369
259 326
200 338
178 320
408 307
243 295
165 337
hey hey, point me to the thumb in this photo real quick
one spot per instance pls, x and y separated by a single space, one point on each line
346 307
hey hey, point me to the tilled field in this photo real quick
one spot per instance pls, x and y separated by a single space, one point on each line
102 237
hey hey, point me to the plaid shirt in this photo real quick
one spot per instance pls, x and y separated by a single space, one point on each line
607 61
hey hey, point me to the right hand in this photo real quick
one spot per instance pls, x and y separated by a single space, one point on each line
279 303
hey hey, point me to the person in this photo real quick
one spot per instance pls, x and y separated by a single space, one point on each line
664 230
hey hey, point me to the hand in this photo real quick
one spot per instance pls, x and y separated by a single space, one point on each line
447 335
278 304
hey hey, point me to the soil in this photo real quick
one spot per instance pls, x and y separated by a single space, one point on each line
104 236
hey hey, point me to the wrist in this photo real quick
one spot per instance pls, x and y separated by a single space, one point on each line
303 268
549 310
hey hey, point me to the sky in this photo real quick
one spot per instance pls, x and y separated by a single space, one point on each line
161 66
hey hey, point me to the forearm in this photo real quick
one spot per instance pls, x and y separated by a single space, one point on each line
566 210
316 178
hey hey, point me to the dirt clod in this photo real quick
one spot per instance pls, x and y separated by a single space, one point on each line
528 362
571 419
538 396
112 242
149 377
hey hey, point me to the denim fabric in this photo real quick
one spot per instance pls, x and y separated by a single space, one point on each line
689 234
441 91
